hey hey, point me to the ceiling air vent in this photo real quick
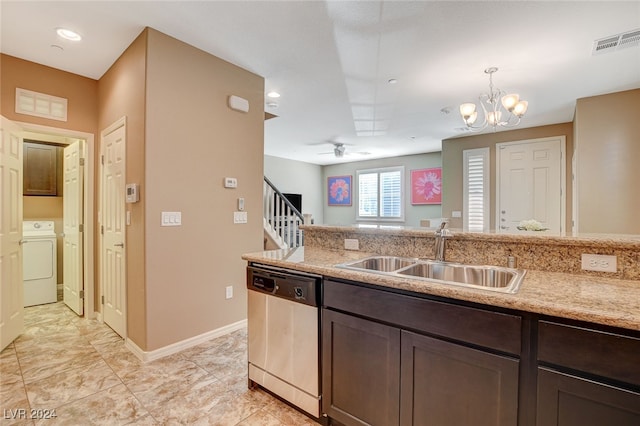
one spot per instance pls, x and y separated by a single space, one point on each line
616 42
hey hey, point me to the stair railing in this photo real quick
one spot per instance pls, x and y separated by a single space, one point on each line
281 216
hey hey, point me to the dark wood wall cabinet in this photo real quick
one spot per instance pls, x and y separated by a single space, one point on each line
392 358
40 169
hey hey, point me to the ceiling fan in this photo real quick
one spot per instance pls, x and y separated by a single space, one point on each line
339 151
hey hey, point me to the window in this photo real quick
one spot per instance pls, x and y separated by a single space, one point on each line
476 189
380 194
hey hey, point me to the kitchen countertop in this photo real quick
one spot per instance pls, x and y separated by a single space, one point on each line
605 301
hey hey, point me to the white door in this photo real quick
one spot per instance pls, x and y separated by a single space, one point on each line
73 222
11 287
530 184
112 227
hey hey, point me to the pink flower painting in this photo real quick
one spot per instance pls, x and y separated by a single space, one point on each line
339 190
426 186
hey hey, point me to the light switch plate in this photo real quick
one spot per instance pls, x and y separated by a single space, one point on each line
240 217
171 219
230 182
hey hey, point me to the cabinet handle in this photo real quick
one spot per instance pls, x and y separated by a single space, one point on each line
119 245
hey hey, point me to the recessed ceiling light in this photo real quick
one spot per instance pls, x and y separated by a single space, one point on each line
272 104
273 94
68 34
392 81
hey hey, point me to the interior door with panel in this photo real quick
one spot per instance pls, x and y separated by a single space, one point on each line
113 264
11 284
73 222
530 184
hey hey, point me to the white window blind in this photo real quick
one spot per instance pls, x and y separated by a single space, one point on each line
380 194
476 189
368 195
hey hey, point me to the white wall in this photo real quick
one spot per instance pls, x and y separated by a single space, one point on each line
346 215
296 177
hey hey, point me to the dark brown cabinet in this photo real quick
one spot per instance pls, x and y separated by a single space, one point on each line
395 358
378 369
587 377
361 362
40 169
445 384
567 400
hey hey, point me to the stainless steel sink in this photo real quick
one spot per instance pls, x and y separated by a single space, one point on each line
495 278
489 277
380 263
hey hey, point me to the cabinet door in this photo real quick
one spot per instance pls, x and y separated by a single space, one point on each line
565 400
446 384
361 370
40 169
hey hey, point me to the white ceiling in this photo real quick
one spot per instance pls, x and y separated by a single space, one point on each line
331 60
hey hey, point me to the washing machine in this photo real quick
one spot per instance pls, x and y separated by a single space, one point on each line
39 262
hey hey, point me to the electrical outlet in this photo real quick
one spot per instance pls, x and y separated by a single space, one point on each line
351 244
599 262
229 292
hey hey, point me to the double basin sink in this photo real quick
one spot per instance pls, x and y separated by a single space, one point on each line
495 278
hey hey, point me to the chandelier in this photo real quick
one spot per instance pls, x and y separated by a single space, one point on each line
492 104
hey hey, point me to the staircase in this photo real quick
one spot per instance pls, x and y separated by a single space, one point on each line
281 220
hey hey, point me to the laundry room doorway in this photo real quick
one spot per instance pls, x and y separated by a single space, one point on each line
74 224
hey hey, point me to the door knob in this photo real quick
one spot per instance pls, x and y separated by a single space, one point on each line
119 245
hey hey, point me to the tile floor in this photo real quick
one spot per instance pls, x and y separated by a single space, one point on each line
82 370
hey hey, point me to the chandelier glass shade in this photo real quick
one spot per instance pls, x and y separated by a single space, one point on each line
499 109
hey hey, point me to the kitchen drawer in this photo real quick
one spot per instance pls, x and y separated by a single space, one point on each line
604 354
480 327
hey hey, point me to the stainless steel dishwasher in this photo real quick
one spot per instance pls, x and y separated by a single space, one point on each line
283 334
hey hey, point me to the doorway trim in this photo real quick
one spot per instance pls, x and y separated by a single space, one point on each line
563 176
88 209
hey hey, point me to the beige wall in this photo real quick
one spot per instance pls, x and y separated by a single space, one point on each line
82 116
122 91
81 93
193 140
452 173
607 133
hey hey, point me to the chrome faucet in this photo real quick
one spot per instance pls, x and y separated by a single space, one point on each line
441 237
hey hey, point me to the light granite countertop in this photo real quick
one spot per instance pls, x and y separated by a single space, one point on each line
528 237
606 301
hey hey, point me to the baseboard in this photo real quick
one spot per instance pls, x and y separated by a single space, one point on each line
146 356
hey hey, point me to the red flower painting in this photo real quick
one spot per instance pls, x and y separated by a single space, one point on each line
426 186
